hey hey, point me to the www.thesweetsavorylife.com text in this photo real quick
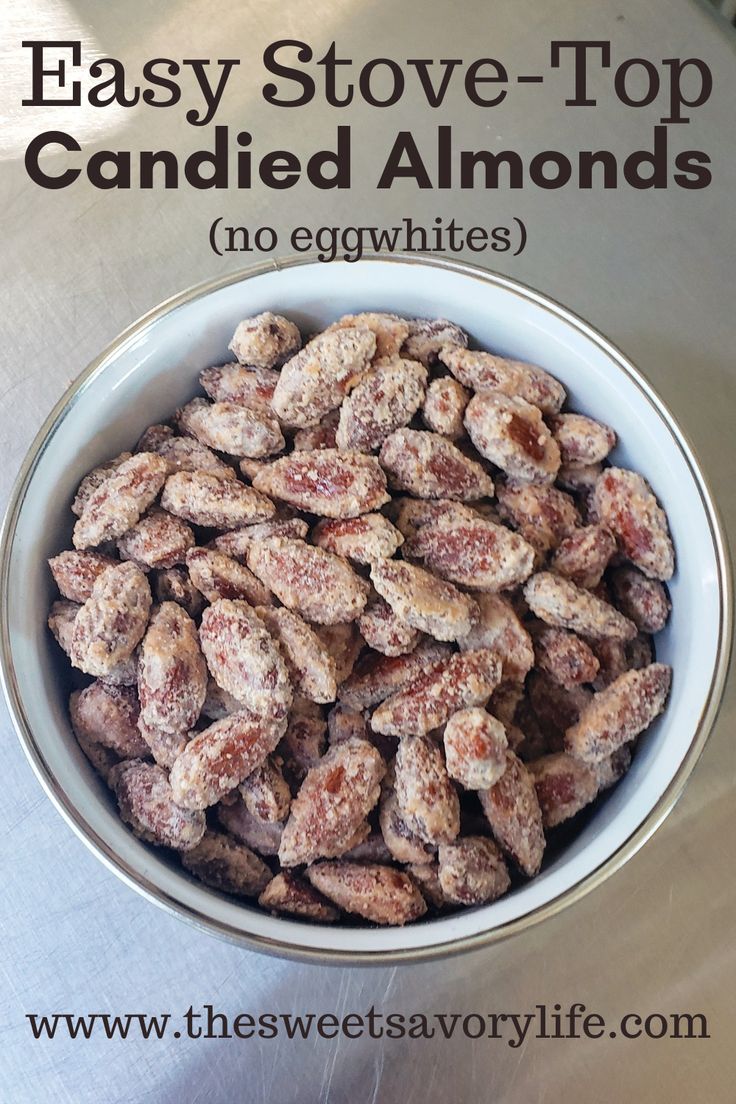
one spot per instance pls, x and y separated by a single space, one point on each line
555 1021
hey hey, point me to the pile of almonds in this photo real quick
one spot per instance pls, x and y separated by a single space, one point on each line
365 624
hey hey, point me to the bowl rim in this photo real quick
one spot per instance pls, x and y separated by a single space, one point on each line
282 947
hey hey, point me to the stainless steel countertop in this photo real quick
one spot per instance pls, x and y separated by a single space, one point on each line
654 271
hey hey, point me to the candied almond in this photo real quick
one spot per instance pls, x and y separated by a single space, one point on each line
230 427
483 371
95 479
582 440
429 466
584 555
263 836
222 756
102 759
464 679
564 786
444 407
311 667
204 499
640 651
327 482
512 809
619 713
555 707
292 895
474 553
328 815
612 661
217 575
251 468
304 741
511 433
383 631
410 514
644 601
185 454
108 715
318 378
426 797
265 341
372 849
527 737
236 383
424 601
112 621
362 539
472 871
384 400
265 791
427 336
499 629
559 602
317 584
504 702
580 479
157 540
543 515
174 585
403 845
220 862
625 503
244 659
378 893
390 330
120 500
75 573
147 804
172 674
237 542
565 656
475 748
376 677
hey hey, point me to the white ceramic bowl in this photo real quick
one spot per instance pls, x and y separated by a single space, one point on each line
153 367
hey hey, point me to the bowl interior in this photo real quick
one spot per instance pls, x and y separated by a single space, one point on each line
154 369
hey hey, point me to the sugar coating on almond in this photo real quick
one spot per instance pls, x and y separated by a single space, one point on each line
120 500
561 603
512 434
620 712
172 674
311 667
326 482
475 748
384 400
319 585
220 862
266 340
424 601
378 893
328 815
429 466
317 379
